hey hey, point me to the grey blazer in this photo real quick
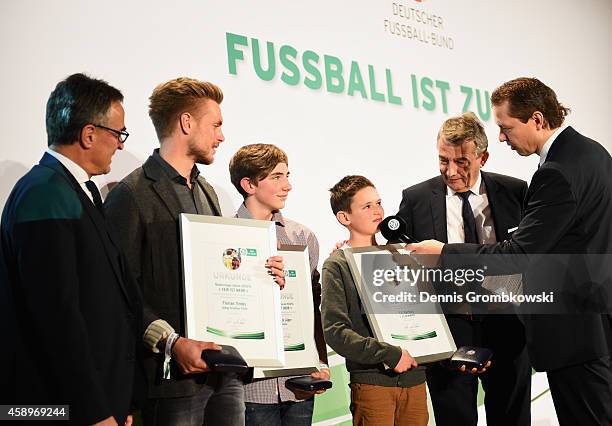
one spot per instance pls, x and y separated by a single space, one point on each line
144 210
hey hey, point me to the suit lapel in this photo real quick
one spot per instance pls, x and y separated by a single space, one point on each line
162 187
110 247
211 195
497 210
560 141
167 194
438 210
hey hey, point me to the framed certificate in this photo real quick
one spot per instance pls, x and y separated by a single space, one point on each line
229 297
394 315
301 356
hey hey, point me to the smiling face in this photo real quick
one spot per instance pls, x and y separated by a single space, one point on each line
270 193
366 212
460 164
520 137
207 135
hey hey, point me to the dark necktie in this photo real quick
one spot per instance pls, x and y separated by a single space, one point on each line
95 194
469 224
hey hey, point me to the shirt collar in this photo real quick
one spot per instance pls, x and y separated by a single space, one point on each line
171 171
75 170
476 188
244 213
549 142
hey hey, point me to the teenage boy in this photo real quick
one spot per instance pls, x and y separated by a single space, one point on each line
260 174
379 396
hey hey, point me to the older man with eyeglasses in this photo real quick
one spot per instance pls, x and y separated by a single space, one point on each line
77 312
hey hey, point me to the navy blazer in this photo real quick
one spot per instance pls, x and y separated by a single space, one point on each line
423 206
77 313
566 214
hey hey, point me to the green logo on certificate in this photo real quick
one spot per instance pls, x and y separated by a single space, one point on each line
231 258
290 273
251 252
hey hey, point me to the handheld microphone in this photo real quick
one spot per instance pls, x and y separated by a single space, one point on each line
394 229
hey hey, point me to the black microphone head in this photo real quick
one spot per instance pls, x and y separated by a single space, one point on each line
393 228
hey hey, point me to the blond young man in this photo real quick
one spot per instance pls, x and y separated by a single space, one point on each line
260 173
379 396
145 207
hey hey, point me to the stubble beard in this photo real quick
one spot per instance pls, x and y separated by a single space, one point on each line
200 156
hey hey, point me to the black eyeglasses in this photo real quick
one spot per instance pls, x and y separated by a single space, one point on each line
122 135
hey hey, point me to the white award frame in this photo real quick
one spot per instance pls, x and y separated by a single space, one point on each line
434 342
301 356
229 297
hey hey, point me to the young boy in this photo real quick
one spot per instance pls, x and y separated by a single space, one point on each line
260 173
378 396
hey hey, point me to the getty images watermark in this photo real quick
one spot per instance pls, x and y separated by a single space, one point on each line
409 276
487 284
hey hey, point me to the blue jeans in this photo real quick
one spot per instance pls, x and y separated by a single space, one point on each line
287 413
219 402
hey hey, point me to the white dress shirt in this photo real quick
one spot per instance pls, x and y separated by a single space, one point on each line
482 214
549 142
75 170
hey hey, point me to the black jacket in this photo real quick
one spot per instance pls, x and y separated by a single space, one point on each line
78 314
566 214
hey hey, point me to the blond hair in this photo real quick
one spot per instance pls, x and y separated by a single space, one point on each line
169 100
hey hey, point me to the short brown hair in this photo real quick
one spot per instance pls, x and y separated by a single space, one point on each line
528 95
177 96
465 128
256 162
343 192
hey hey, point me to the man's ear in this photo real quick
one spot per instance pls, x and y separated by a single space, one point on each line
87 136
343 218
248 186
483 158
186 122
539 120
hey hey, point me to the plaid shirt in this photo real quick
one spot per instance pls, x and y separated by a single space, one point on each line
272 391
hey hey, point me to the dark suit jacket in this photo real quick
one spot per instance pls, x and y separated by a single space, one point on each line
144 209
423 206
77 314
566 211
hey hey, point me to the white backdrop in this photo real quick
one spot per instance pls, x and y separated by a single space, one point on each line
135 45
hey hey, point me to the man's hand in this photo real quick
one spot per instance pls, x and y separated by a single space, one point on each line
322 374
276 267
463 369
426 247
405 363
129 421
187 353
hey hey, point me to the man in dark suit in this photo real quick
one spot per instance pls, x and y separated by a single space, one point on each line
77 312
567 218
437 208
145 207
